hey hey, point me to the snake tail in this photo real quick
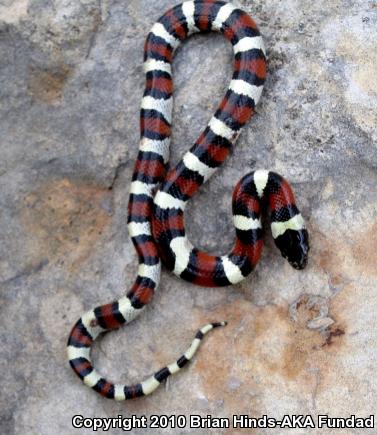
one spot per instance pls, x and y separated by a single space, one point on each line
80 341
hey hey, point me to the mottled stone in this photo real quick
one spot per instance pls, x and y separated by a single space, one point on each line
296 342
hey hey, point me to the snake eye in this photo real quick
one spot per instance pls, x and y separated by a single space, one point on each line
294 246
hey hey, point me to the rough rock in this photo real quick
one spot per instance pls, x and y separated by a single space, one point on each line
297 342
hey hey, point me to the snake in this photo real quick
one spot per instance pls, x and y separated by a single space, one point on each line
159 194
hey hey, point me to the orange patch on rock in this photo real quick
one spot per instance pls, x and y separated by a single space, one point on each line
264 349
364 250
46 85
66 219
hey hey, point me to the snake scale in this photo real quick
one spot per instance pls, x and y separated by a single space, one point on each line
158 197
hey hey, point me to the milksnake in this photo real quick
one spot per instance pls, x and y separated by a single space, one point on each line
158 196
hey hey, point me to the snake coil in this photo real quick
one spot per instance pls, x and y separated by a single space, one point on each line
158 198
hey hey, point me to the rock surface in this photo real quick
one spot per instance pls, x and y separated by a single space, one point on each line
297 342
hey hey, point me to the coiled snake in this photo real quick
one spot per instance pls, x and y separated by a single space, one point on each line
158 199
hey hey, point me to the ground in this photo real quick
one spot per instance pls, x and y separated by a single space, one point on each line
297 342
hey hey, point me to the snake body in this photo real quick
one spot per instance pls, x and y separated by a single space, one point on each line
158 197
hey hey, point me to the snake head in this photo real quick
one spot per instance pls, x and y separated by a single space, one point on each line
294 246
